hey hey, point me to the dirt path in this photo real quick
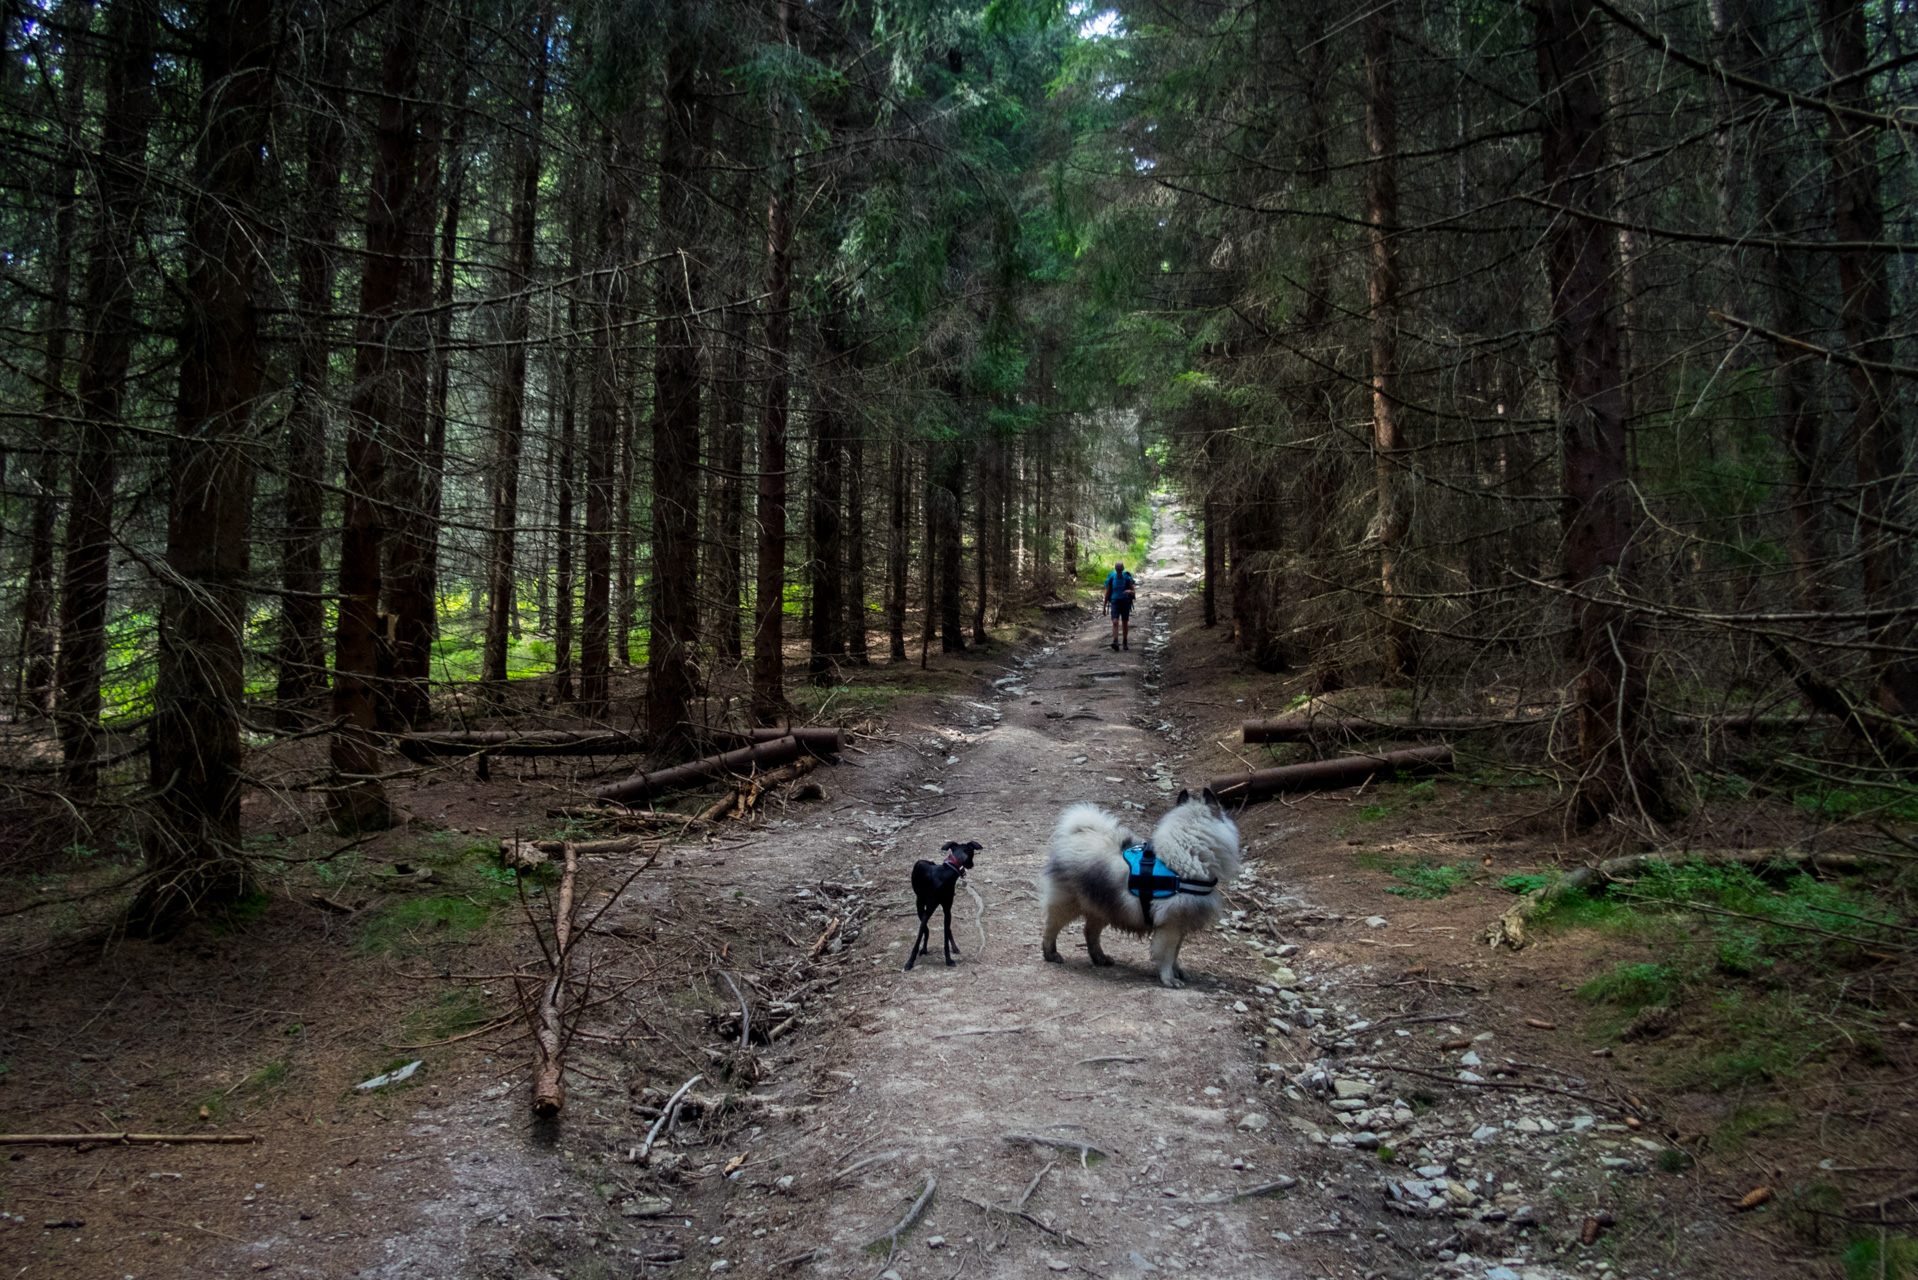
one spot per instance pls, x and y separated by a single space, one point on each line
938 1066
1303 1062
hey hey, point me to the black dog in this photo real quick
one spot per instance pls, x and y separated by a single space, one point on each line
933 884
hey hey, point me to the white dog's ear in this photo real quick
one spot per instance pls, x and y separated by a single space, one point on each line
1212 800
1184 796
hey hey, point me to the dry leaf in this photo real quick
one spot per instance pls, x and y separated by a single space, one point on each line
1450 1045
1754 1198
1420 971
1541 1024
1588 1234
734 1163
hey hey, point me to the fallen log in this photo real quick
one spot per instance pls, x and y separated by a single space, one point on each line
762 755
1304 727
816 740
519 742
1509 928
746 795
549 1026
1325 775
522 854
145 1139
1307 726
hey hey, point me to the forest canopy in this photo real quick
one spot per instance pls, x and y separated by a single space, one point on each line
372 369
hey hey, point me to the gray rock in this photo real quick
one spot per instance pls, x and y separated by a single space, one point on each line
1375 922
1253 1122
1346 1087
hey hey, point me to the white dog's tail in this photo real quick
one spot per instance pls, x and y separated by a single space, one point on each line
1082 820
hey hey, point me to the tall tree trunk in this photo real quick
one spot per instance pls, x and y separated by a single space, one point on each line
1388 435
373 412
566 375
625 597
194 860
982 538
947 498
302 644
602 440
106 347
1599 556
1878 430
37 621
822 508
855 437
897 540
502 581
405 581
1209 541
769 656
434 464
684 138
729 493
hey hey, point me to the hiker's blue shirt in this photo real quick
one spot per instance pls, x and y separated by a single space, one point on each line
1117 584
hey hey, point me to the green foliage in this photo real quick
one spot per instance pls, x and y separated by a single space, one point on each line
1430 881
1872 1257
1523 884
413 922
1632 986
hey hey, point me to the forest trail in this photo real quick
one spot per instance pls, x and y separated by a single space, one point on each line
940 1066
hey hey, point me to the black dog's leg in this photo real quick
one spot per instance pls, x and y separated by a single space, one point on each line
920 943
951 949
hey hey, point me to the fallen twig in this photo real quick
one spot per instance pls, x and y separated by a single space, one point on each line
745 1014
978 1031
1608 1103
548 1017
666 1114
820 946
124 1139
867 1163
1267 1188
1022 1214
891 1238
1110 1057
1034 1184
1063 1144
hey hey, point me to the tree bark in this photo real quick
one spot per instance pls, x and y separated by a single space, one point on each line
302 643
1599 555
685 138
729 494
502 582
823 520
372 414
405 581
602 439
1388 435
1878 432
566 468
945 504
434 464
37 620
982 540
855 442
106 347
769 656
194 860
897 548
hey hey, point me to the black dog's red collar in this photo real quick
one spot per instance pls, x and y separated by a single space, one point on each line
952 860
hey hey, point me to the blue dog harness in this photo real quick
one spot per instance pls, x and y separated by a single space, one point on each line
1151 882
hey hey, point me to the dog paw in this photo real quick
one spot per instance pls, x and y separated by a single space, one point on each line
950 963
1104 962
1053 957
1172 984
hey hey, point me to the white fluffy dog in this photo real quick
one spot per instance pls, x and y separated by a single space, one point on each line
1087 874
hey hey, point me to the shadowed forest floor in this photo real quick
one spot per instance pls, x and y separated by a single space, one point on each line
1400 1100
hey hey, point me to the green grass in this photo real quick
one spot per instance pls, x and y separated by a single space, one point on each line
453 1013
1869 1258
1429 881
1632 986
410 923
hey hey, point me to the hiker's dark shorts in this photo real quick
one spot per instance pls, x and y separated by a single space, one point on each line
1122 609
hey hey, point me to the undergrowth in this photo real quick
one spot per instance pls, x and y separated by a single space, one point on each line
1769 968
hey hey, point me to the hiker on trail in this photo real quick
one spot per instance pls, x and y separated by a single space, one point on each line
1119 593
